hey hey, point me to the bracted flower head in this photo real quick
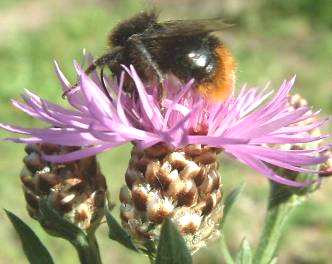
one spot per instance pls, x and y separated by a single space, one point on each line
76 191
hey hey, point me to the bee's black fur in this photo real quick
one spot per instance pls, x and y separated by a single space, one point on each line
135 25
183 48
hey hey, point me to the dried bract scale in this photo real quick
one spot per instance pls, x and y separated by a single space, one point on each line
127 212
76 190
139 194
326 167
188 221
196 211
297 101
158 207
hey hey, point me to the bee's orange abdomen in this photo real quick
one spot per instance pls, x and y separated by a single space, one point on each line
223 82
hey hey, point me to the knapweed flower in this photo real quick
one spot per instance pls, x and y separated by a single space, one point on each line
173 171
240 126
76 191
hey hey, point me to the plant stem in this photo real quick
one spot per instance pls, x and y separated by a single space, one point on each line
152 259
281 204
225 251
88 250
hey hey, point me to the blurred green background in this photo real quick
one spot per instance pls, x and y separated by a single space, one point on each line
272 40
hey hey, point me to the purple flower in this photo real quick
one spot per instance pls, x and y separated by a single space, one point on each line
247 126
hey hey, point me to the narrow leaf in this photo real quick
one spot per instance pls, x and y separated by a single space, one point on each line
85 244
274 261
225 251
33 248
172 248
117 233
60 226
244 255
230 200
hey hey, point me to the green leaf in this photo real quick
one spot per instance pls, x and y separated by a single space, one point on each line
59 226
225 251
274 261
117 233
281 204
172 248
244 255
230 200
33 248
85 244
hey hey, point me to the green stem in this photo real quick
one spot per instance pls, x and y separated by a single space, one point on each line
281 204
225 251
152 259
88 250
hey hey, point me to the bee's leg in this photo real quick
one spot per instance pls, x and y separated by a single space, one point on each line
139 45
101 62
104 84
106 59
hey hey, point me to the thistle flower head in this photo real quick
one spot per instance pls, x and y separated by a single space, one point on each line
247 126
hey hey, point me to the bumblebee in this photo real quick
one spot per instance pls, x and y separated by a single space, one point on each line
184 48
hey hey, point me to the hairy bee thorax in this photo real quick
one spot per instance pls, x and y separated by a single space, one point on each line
134 25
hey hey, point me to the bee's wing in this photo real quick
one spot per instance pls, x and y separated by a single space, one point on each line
175 28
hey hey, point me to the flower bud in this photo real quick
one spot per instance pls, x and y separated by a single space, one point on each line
295 102
76 191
